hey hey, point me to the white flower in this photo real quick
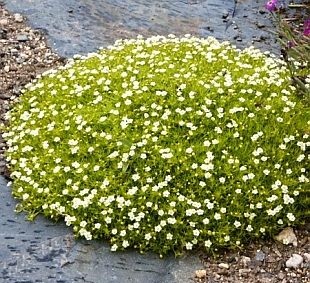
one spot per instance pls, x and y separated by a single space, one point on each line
266 172
217 216
114 248
206 143
202 184
148 236
189 246
208 243
143 156
125 244
249 228
290 217
237 224
83 224
189 150
158 228
135 177
169 236
75 164
223 210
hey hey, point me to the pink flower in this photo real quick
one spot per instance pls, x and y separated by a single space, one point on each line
307 27
271 5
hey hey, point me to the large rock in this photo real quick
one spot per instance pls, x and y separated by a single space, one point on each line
294 261
81 26
47 252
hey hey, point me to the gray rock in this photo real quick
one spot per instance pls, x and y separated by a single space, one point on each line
22 37
3 22
92 23
245 260
260 256
201 273
307 257
18 18
294 261
224 265
44 251
287 236
281 275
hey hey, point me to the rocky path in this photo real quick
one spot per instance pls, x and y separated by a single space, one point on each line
43 251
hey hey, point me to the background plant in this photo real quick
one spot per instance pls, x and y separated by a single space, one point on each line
163 144
293 30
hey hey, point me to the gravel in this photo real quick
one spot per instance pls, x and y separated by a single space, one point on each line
23 55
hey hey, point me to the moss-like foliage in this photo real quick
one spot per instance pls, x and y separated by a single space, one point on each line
163 144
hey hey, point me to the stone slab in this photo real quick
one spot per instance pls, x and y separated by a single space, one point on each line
81 26
44 251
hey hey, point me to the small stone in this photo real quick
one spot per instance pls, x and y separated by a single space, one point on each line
277 252
201 273
245 260
307 257
260 25
22 37
225 14
294 261
14 51
3 22
260 256
287 236
4 96
6 68
18 18
224 265
281 275
244 270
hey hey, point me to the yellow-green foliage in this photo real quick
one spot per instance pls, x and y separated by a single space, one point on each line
163 144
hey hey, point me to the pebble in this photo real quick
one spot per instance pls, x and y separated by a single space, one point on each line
245 260
201 273
294 261
224 265
22 37
287 236
225 14
6 68
260 25
5 97
281 275
3 22
18 18
244 270
307 257
260 256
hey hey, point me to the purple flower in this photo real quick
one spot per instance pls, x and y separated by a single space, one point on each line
271 5
307 27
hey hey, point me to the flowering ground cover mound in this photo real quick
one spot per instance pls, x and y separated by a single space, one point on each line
163 144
